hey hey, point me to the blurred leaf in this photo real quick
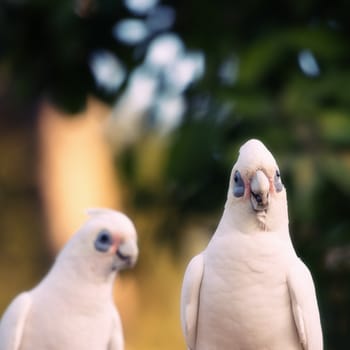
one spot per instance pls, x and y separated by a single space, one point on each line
335 129
338 170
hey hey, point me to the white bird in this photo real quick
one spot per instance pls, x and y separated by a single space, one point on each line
72 307
248 290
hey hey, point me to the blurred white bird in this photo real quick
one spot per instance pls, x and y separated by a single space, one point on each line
248 290
72 307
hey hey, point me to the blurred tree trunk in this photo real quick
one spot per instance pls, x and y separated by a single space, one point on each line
75 169
23 257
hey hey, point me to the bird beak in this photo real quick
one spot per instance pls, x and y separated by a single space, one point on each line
128 252
259 191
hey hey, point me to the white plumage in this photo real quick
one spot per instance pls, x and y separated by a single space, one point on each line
248 290
72 307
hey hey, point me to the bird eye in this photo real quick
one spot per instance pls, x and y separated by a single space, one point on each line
238 186
103 241
278 181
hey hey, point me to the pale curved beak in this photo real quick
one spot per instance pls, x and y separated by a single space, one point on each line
259 188
128 252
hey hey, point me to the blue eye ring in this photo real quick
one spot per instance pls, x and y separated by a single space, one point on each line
278 181
103 241
238 186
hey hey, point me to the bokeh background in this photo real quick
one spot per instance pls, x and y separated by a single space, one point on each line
141 105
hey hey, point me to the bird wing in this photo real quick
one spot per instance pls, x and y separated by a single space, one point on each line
304 305
116 341
13 321
190 299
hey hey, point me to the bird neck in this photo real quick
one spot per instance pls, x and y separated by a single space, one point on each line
241 217
69 277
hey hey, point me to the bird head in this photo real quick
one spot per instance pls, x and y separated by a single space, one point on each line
256 193
114 235
105 243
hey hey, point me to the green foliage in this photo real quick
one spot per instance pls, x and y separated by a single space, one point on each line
46 48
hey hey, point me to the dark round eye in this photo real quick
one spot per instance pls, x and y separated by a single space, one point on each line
103 241
238 186
278 181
